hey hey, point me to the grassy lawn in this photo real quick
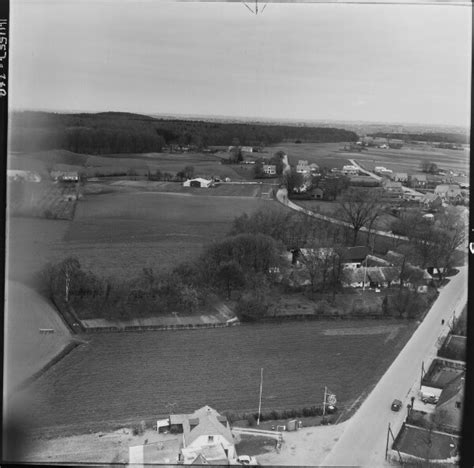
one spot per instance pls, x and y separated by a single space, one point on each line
425 444
254 445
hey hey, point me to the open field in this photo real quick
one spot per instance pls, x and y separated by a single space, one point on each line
119 233
205 165
27 350
133 376
408 159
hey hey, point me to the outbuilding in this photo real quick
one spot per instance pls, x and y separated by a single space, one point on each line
198 182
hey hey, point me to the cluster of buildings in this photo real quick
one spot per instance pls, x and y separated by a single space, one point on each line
431 431
360 269
200 438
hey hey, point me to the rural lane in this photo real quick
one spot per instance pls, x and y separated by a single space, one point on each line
282 197
363 441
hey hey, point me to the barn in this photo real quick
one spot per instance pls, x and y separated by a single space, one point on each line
198 182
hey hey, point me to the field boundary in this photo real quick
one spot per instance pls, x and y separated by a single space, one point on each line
143 328
62 354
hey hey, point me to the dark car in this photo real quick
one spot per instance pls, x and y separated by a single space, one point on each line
431 399
396 405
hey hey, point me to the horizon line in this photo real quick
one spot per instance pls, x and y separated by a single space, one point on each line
256 119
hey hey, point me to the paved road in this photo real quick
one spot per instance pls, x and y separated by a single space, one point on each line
364 438
282 197
361 169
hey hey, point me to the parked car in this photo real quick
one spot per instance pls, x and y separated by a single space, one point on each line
246 460
396 405
431 399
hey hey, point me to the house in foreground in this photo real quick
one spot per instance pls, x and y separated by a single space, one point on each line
206 437
203 438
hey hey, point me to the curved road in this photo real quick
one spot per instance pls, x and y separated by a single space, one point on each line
364 438
282 197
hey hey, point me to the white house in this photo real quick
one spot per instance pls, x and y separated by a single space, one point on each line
269 169
247 149
207 438
65 176
198 182
350 170
303 167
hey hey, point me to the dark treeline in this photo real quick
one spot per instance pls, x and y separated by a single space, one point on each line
116 132
438 137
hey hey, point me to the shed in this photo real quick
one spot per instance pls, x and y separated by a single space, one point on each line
198 182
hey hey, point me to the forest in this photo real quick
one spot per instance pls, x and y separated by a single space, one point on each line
118 132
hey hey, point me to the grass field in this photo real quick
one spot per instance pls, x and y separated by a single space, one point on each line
27 350
135 375
408 159
119 233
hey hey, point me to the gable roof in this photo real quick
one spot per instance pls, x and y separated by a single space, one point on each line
357 253
208 424
373 260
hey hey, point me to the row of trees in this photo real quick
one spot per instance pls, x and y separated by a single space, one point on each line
235 263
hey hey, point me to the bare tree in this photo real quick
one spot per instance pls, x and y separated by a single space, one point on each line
360 208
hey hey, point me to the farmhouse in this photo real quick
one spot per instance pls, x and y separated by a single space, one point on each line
418 180
198 182
431 201
65 176
206 439
302 167
247 149
394 188
350 170
400 177
269 169
352 257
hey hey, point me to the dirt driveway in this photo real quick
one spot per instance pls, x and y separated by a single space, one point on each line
306 447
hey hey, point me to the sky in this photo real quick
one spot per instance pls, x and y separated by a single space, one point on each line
351 62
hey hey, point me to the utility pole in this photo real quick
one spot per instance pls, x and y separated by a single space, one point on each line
68 280
260 398
324 402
